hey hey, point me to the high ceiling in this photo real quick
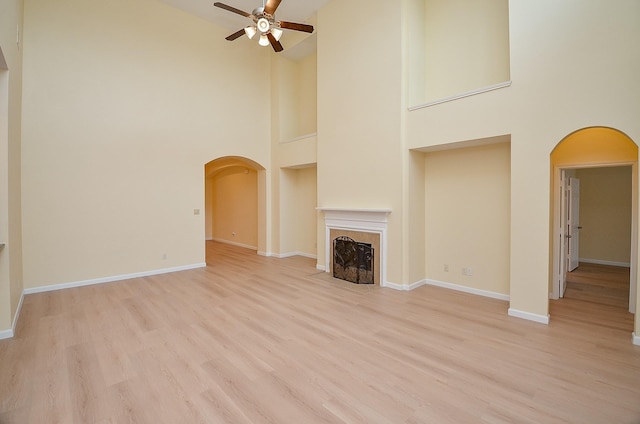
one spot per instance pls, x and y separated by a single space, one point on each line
289 10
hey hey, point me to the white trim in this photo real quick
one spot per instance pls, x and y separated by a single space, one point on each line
302 137
320 267
542 319
405 287
351 214
265 254
466 289
462 95
16 316
600 262
290 254
7 334
364 220
233 243
54 287
635 339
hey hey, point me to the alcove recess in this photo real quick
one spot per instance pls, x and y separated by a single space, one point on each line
456 47
294 88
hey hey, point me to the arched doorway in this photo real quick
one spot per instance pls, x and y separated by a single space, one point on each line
235 202
586 149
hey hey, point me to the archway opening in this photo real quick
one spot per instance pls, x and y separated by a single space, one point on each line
235 193
593 155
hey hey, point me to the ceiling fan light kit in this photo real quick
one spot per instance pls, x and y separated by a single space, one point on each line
277 33
263 41
250 31
265 23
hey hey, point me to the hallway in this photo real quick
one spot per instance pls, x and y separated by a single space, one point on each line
596 295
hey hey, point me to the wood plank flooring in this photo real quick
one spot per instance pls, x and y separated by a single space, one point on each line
603 284
263 340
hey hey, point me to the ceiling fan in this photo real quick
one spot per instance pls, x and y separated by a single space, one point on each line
264 23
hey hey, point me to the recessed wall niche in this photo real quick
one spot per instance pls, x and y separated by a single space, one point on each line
455 47
295 90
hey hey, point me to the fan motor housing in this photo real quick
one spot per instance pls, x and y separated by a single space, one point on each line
263 25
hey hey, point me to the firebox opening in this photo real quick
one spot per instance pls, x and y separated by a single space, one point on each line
353 261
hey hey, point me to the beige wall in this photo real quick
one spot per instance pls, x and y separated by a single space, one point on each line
293 150
360 154
558 87
234 195
11 276
467 216
294 97
605 214
124 104
298 216
466 46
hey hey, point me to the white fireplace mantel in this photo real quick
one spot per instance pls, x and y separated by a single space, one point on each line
356 215
367 220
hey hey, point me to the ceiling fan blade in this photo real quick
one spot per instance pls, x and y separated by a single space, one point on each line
277 47
231 9
296 27
271 6
235 35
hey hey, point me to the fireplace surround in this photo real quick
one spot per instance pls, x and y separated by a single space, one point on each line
367 226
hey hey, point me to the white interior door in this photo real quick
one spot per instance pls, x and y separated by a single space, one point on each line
573 223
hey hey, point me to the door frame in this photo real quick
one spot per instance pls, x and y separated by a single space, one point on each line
558 233
573 229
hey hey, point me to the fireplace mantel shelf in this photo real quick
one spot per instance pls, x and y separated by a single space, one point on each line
359 215
385 211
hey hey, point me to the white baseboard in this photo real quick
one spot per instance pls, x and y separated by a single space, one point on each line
599 262
53 287
542 319
290 254
635 339
321 267
16 316
465 289
233 243
7 334
265 254
404 287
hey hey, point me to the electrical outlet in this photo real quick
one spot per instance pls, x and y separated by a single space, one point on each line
467 271
164 256
446 267
233 233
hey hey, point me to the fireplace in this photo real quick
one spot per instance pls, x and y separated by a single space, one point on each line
365 226
353 261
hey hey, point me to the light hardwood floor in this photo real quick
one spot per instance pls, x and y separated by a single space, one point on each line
263 340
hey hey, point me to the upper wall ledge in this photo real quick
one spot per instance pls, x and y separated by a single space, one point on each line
462 95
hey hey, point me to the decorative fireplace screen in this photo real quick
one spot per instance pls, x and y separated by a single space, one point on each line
353 261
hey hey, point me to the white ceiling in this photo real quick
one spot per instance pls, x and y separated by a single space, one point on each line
289 10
